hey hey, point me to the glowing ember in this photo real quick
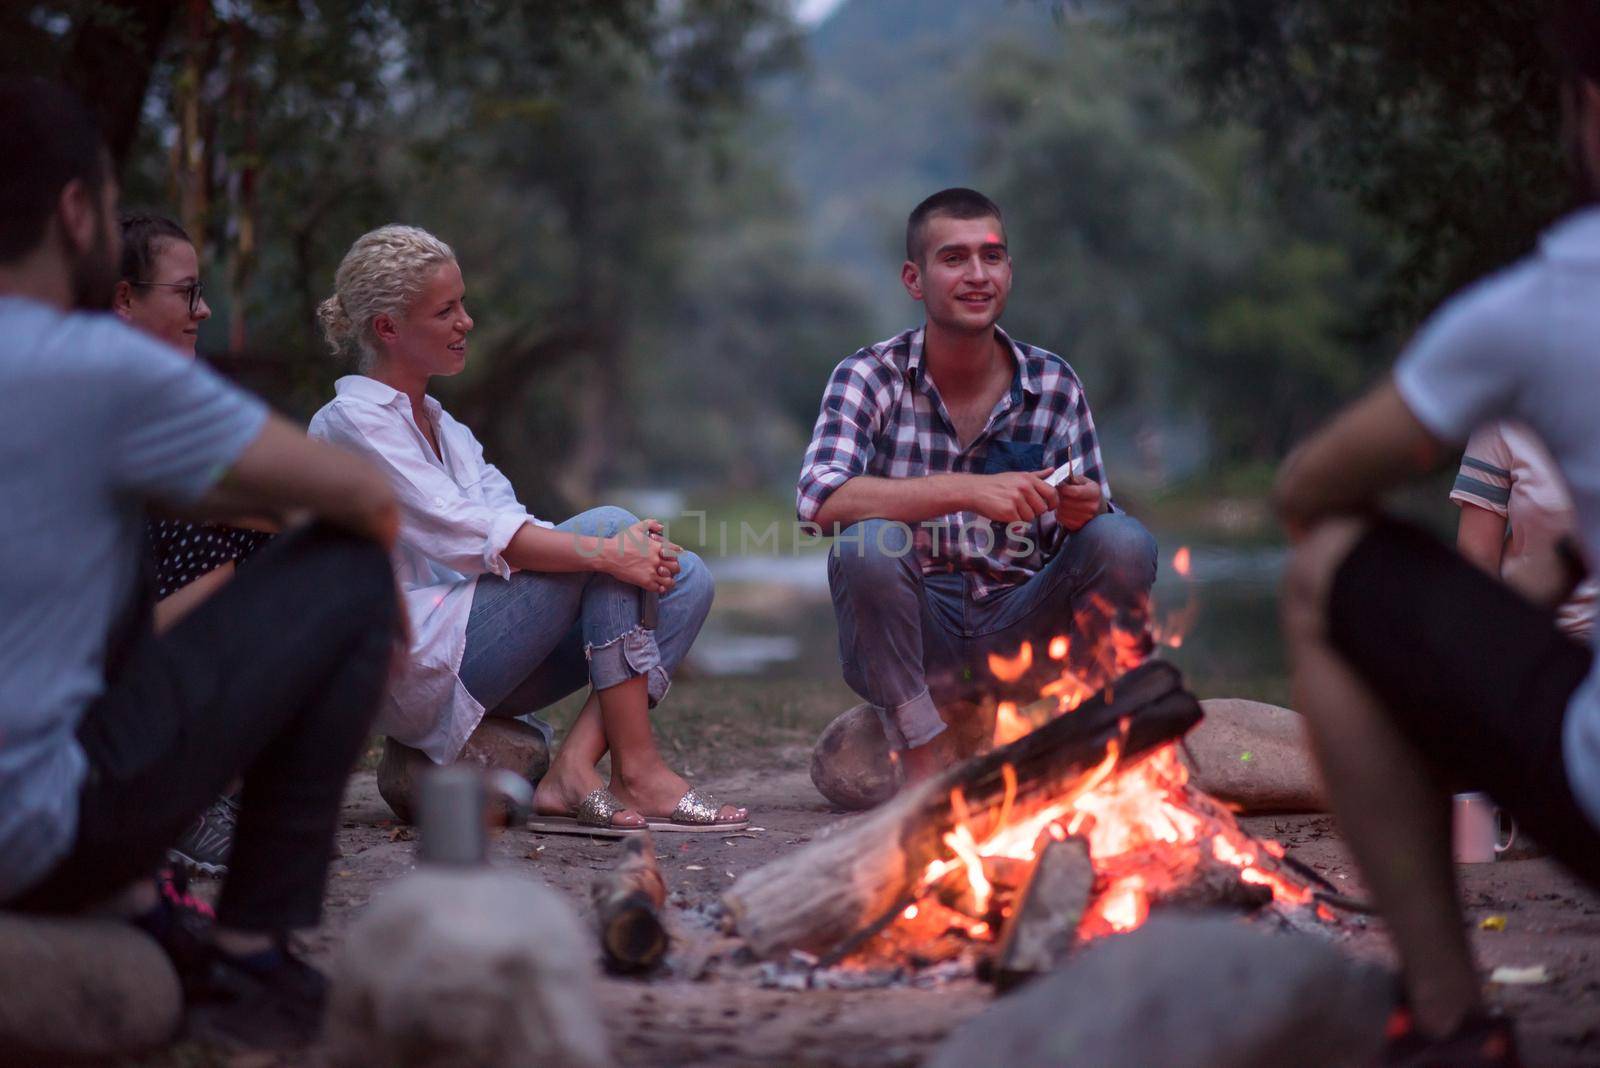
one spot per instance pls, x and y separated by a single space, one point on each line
1059 647
1180 561
1010 670
1009 724
1124 906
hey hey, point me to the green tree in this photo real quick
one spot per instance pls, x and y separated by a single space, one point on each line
1154 253
1439 120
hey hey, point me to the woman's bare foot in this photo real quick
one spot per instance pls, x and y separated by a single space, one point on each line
563 788
656 792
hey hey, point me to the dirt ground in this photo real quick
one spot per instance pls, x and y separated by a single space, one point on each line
761 761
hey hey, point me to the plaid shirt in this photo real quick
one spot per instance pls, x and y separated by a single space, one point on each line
881 415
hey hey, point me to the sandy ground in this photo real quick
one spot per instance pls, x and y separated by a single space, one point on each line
722 1021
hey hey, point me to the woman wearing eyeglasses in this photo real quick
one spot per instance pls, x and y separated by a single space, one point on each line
160 289
160 294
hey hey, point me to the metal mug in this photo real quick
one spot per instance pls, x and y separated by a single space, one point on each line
454 811
1477 829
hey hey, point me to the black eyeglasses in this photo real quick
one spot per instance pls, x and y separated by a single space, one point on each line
195 290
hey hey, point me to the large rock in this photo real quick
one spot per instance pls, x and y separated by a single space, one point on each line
497 743
851 765
1255 755
82 989
453 968
1186 992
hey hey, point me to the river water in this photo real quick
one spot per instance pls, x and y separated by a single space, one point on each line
773 618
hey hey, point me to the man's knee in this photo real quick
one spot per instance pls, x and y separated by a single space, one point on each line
1308 577
1122 545
873 554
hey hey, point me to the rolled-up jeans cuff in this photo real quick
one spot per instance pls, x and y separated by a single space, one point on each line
912 723
633 654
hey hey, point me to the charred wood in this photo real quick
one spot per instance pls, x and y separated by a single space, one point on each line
627 904
820 896
1044 924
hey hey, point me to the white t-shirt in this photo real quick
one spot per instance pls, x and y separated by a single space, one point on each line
1524 344
1507 471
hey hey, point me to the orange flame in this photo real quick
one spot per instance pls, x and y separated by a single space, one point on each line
1009 724
1141 823
1010 670
1124 906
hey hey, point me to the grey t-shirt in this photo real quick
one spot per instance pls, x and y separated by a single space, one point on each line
96 420
1525 344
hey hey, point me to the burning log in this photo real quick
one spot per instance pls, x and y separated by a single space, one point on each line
1044 926
818 897
627 904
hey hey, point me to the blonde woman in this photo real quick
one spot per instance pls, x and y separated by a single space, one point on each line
509 613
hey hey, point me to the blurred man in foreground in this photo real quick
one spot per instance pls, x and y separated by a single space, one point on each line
1420 674
932 461
113 739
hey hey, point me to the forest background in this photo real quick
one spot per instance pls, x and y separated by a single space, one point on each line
674 217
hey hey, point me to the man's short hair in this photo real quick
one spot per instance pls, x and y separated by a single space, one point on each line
47 139
140 232
956 203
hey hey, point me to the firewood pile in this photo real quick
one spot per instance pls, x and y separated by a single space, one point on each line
1075 830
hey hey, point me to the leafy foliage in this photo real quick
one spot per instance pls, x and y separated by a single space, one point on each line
1439 120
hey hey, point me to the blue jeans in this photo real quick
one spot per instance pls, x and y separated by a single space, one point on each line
538 636
910 642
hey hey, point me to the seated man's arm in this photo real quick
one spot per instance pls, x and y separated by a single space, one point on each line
835 491
282 472
1346 467
1005 498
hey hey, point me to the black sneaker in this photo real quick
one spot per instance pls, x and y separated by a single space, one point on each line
271 1000
204 847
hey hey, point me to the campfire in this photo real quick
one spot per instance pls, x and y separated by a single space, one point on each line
1078 824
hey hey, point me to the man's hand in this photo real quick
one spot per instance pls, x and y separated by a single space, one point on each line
1012 496
1080 501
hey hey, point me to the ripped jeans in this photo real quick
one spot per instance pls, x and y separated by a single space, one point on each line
539 636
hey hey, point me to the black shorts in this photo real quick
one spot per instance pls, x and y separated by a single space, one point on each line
1477 677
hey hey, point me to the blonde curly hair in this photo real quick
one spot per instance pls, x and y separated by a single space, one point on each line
381 275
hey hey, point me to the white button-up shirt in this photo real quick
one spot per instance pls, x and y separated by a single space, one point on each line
457 515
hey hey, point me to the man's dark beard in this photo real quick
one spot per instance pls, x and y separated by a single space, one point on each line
95 275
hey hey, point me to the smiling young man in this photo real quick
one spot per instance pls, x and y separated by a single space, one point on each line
929 460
